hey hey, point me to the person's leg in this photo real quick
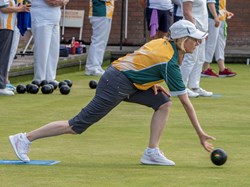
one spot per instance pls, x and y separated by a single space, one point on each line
211 44
112 88
194 82
53 56
165 21
6 37
158 124
148 13
42 39
14 47
220 47
194 78
220 53
51 129
161 104
101 30
187 66
106 30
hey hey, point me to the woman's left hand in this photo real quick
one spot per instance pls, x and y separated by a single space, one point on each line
157 87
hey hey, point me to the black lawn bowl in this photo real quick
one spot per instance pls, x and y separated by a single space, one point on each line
69 82
61 84
44 82
65 90
92 84
33 89
21 89
218 157
28 87
36 82
46 89
55 84
52 88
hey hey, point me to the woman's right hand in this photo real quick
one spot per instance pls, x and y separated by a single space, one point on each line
204 138
24 8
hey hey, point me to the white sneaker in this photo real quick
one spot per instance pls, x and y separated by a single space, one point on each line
155 157
6 91
21 146
94 73
191 93
203 92
11 87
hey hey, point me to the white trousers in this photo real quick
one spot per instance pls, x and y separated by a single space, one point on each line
216 42
46 50
14 46
101 27
192 66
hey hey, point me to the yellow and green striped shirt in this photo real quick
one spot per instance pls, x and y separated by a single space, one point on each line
9 20
220 7
153 63
101 8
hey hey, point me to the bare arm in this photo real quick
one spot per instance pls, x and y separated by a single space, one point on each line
21 8
229 15
56 3
194 120
211 7
187 11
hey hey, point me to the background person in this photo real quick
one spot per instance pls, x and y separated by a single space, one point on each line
178 14
196 12
45 19
8 10
216 42
13 51
100 17
158 16
134 78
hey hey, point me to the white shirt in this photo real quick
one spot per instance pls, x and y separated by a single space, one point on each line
42 12
160 4
179 7
200 14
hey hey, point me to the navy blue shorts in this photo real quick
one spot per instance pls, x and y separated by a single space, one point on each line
113 88
164 19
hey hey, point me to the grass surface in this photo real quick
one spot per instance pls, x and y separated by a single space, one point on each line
108 153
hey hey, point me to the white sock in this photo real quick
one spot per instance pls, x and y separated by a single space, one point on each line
151 150
26 139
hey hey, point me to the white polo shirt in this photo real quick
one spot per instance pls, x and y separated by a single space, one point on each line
42 12
160 4
200 14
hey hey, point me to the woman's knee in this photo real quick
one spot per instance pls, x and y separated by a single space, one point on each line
166 106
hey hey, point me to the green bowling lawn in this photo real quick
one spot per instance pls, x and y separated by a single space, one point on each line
108 153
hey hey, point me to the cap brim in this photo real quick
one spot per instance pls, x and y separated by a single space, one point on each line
199 35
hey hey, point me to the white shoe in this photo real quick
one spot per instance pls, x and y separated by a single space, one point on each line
21 146
6 91
94 73
191 93
202 92
155 157
11 87
101 70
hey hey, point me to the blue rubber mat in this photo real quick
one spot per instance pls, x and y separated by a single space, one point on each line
216 95
32 162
